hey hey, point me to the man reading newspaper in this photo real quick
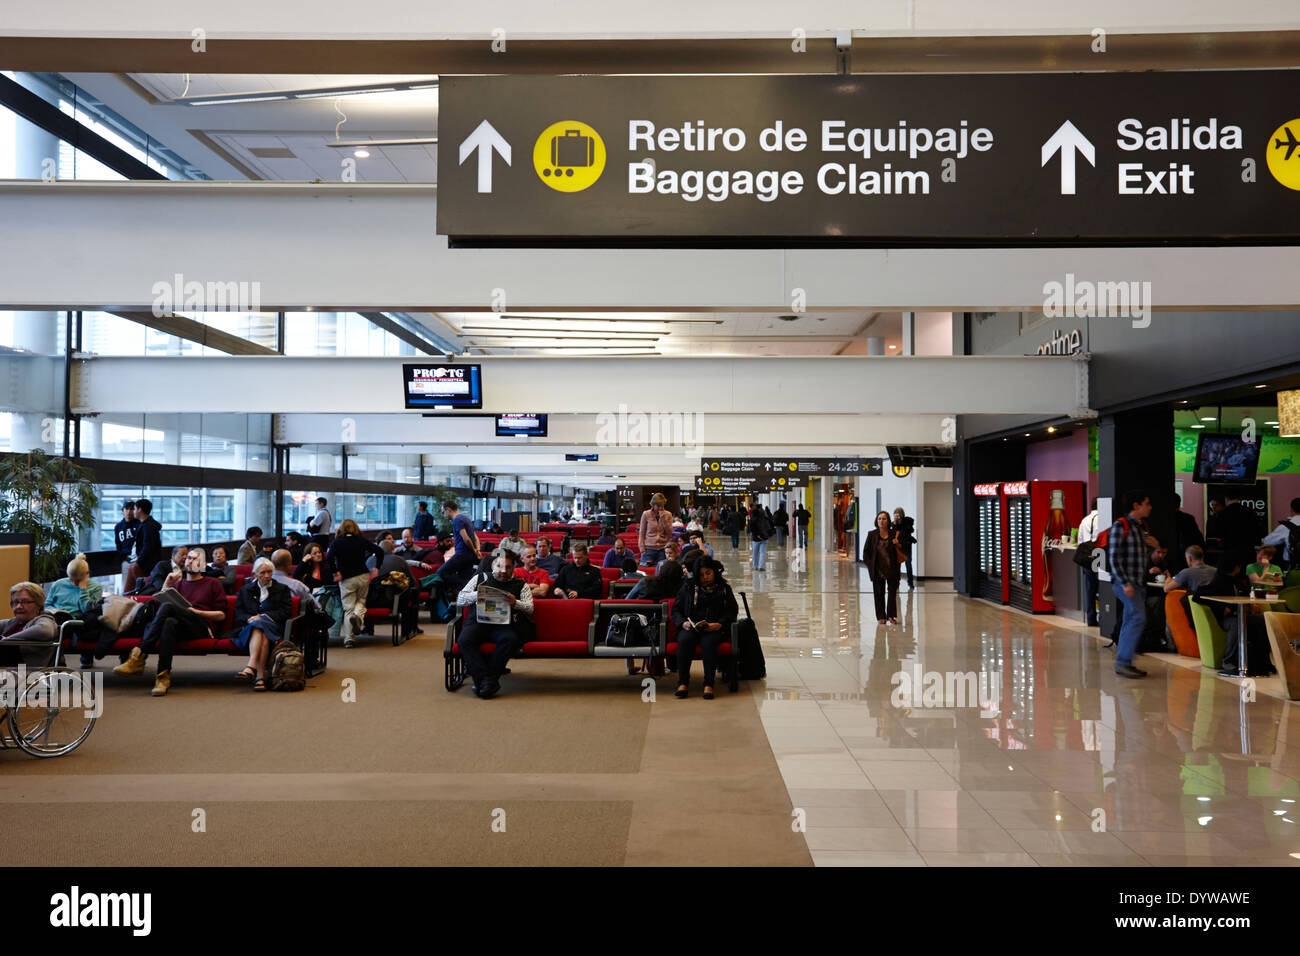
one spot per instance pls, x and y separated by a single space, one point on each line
503 610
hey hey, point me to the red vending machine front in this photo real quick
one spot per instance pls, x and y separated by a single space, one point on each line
1016 505
1056 508
992 542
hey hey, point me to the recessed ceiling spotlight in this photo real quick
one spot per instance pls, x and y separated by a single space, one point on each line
1261 386
1051 429
361 153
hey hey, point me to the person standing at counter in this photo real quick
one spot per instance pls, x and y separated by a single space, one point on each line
1088 534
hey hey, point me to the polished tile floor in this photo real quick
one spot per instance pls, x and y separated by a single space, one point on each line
976 735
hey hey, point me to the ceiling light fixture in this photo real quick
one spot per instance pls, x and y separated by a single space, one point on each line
1207 418
1198 426
309 93
347 143
1051 429
361 153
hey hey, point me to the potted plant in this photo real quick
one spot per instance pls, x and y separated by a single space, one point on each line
51 499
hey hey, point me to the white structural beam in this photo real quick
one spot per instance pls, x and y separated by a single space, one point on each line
910 385
374 247
849 432
407 19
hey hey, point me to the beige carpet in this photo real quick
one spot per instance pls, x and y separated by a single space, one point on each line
585 771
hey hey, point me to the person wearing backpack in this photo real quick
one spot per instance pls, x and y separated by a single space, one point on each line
760 529
1287 537
1128 557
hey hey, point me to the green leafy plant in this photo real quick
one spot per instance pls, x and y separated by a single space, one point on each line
50 499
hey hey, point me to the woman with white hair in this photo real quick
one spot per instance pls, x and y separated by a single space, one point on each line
175 622
76 593
262 607
31 622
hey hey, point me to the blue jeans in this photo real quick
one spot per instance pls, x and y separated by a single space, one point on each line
758 553
652 556
803 537
1131 628
735 539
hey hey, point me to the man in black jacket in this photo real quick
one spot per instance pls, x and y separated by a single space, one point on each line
581 579
1239 531
906 528
506 638
171 568
148 541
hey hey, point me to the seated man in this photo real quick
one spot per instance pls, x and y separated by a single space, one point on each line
175 565
293 544
1196 574
282 561
515 544
607 535
407 549
616 555
697 541
251 549
384 588
538 581
546 559
508 637
173 623
581 579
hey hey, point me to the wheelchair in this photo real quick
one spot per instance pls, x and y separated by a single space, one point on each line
45 713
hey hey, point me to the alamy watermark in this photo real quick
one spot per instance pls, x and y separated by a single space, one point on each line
180 294
916 689
57 689
1086 299
625 429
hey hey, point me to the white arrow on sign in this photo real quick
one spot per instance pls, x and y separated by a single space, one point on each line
1067 139
483 140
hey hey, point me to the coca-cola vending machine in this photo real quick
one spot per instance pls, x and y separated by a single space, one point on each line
991 513
1041 516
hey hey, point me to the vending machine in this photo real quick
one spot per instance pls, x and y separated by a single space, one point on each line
991 579
1041 517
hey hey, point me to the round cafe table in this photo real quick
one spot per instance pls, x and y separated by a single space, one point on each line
1243 603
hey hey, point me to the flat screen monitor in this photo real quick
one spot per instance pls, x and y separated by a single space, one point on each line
442 386
522 423
1225 460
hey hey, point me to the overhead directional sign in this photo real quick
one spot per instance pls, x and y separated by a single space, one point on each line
792 467
746 484
1086 158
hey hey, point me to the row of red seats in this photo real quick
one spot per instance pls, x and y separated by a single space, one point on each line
576 629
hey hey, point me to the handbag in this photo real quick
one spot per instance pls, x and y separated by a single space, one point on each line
119 613
1083 554
628 630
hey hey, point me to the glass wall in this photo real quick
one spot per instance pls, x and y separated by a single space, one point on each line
339 333
218 440
187 515
32 373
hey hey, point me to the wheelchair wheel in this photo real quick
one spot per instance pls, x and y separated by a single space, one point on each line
50 719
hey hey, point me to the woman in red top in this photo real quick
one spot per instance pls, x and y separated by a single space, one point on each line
206 613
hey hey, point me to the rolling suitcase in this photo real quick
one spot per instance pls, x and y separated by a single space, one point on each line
752 664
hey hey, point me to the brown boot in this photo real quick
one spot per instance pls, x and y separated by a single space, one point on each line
132 665
162 683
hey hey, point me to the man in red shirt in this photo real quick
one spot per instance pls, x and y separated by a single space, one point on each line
173 623
538 581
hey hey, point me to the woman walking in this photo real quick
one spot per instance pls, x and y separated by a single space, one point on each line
882 556
348 553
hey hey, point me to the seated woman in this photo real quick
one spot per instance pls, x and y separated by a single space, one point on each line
31 622
703 612
262 607
174 622
665 583
222 570
76 593
313 570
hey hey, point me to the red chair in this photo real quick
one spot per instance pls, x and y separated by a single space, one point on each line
563 629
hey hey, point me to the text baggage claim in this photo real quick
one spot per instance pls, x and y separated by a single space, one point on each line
949 143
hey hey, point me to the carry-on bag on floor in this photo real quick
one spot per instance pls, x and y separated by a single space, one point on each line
752 664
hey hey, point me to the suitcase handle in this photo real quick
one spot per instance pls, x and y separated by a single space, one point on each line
745 601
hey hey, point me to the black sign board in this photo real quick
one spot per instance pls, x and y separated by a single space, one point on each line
792 467
942 160
743 484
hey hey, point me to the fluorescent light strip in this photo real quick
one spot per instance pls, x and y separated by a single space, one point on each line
481 343
552 333
328 92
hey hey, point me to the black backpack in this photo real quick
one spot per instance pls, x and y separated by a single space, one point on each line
753 666
1293 544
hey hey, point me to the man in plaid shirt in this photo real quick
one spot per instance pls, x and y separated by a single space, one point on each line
1127 558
